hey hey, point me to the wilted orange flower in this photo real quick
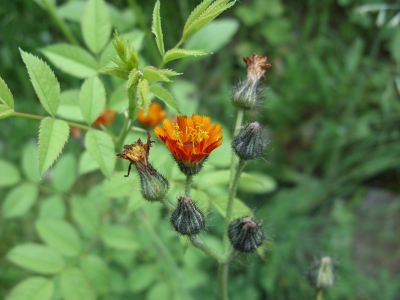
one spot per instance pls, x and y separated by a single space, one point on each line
256 66
107 117
190 140
154 115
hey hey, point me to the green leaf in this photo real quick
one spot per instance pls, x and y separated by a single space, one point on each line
180 53
52 136
9 174
210 14
69 106
115 71
65 173
44 82
209 179
5 95
60 235
119 99
98 273
33 288
141 278
30 163
119 237
87 164
135 200
101 147
118 185
96 26
37 258
19 200
153 74
75 285
143 95
52 207
71 59
133 78
256 183
86 215
5 111
168 72
162 94
239 208
156 28
159 291
196 13
92 99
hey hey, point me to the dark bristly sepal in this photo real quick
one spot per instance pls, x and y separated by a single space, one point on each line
245 234
187 219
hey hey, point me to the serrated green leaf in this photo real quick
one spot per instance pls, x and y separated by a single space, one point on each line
119 237
121 47
101 147
162 94
76 286
52 136
5 111
256 183
180 53
168 72
98 273
210 14
115 71
44 82
133 78
9 174
118 185
96 25
156 28
65 173
196 13
33 288
38 258
153 74
19 200
52 207
143 95
86 214
60 235
92 99
69 106
239 208
30 163
5 95
71 59
87 164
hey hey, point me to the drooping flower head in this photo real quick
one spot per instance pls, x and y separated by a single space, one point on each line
154 116
154 185
190 140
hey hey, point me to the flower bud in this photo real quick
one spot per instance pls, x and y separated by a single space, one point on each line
321 276
249 144
245 234
187 219
154 185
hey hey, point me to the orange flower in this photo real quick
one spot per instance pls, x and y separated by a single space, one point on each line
154 115
190 140
106 118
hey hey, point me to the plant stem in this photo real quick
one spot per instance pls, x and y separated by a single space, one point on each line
319 294
176 46
30 116
188 186
160 244
60 23
168 205
198 243
223 280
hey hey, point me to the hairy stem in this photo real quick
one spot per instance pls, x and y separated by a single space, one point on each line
198 243
223 280
168 205
319 294
188 186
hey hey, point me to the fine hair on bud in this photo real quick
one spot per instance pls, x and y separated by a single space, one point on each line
154 185
187 219
249 143
245 234
321 274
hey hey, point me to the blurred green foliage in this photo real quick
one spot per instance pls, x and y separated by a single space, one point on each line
332 115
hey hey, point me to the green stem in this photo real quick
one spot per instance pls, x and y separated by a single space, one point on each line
168 205
160 244
176 46
198 243
188 186
223 281
60 23
30 116
319 294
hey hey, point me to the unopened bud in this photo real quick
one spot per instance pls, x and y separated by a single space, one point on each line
187 219
321 276
154 185
245 234
249 144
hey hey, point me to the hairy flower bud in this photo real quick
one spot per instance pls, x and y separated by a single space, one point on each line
245 94
187 219
321 275
248 144
245 234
